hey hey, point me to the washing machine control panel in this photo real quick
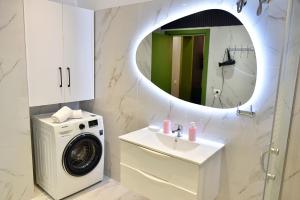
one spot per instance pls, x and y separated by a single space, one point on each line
88 124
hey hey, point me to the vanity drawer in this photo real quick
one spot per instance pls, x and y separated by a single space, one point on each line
173 170
152 187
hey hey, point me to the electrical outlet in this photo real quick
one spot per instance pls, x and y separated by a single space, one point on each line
217 92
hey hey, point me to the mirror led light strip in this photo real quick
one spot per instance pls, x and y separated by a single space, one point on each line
194 7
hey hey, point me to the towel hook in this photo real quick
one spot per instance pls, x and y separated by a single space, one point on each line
250 113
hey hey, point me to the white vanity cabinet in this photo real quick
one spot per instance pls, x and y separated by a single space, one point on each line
60 52
156 175
150 166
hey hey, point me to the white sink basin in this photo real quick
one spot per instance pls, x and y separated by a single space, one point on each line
179 145
196 152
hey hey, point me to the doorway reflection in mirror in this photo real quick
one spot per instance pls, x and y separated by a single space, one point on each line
183 59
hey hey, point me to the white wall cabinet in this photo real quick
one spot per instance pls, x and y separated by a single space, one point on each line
60 52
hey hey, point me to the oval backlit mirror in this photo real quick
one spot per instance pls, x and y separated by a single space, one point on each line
206 58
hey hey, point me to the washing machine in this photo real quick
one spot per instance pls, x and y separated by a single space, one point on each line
68 156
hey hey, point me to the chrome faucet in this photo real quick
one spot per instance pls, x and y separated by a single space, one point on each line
178 131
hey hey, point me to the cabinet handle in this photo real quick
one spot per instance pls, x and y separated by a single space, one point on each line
60 72
152 177
146 175
154 152
69 75
158 180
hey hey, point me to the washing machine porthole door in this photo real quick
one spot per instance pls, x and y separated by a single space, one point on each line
82 154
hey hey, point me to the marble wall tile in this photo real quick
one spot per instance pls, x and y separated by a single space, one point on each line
16 179
129 102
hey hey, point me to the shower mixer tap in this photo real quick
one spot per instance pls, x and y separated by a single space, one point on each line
240 4
260 6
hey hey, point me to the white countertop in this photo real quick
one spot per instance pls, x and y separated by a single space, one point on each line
197 152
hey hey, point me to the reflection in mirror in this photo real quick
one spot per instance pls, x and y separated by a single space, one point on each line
206 58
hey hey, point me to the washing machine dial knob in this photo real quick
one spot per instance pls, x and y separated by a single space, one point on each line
81 126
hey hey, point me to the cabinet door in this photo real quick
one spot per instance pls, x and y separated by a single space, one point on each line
43 28
78 31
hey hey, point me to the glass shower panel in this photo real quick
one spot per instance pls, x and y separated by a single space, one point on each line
284 106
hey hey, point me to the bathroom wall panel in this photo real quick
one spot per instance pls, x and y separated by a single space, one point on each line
16 179
128 102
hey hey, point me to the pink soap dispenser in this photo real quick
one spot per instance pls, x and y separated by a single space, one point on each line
167 126
193 132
